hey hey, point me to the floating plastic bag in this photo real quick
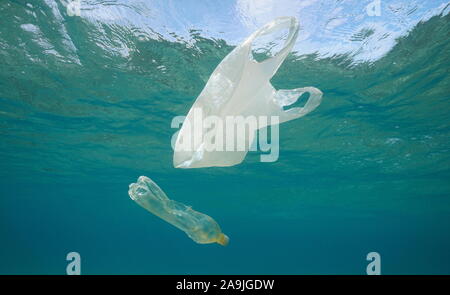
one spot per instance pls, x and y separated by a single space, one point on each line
198 226
239 89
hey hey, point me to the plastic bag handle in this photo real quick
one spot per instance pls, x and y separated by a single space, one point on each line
288 97
273 63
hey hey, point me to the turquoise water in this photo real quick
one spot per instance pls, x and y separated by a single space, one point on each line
86 104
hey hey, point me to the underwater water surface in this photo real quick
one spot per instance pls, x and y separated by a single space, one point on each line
86 104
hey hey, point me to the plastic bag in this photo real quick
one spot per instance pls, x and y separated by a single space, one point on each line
239 88
198 226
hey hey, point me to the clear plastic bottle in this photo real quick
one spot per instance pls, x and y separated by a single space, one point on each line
198 226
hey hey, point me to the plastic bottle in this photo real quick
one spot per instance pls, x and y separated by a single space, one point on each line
198 226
